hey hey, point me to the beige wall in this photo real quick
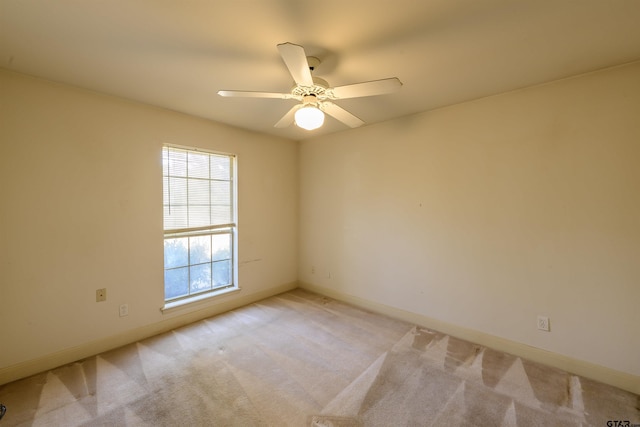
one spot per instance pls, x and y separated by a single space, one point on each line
486 214
81 209
481 215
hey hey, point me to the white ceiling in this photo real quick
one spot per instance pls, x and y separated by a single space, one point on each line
178 53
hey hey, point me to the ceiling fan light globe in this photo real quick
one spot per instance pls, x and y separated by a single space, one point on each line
309 118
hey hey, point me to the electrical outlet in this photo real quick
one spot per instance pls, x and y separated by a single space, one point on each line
101 295
124 310
543 323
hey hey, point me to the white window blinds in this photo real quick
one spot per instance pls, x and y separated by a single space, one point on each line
198 189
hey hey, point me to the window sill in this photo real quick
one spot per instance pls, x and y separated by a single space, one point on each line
195 300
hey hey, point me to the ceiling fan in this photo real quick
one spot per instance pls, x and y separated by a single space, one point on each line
315 94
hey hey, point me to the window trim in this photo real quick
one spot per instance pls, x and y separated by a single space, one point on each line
195 299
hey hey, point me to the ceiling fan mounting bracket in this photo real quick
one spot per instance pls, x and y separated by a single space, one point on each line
313 62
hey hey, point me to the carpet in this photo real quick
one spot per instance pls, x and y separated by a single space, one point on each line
301 359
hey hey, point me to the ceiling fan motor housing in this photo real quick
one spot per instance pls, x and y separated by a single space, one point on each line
310 99
318 89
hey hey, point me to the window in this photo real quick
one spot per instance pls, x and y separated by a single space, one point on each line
199 223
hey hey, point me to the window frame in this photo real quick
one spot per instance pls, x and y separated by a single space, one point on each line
230 228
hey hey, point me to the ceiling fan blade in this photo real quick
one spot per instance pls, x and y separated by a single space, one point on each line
250 94
376 87
341 114
296 61
288 118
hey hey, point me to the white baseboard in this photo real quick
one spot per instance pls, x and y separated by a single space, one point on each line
603 374
69 355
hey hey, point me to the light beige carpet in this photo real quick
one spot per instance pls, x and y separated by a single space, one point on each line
300 359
